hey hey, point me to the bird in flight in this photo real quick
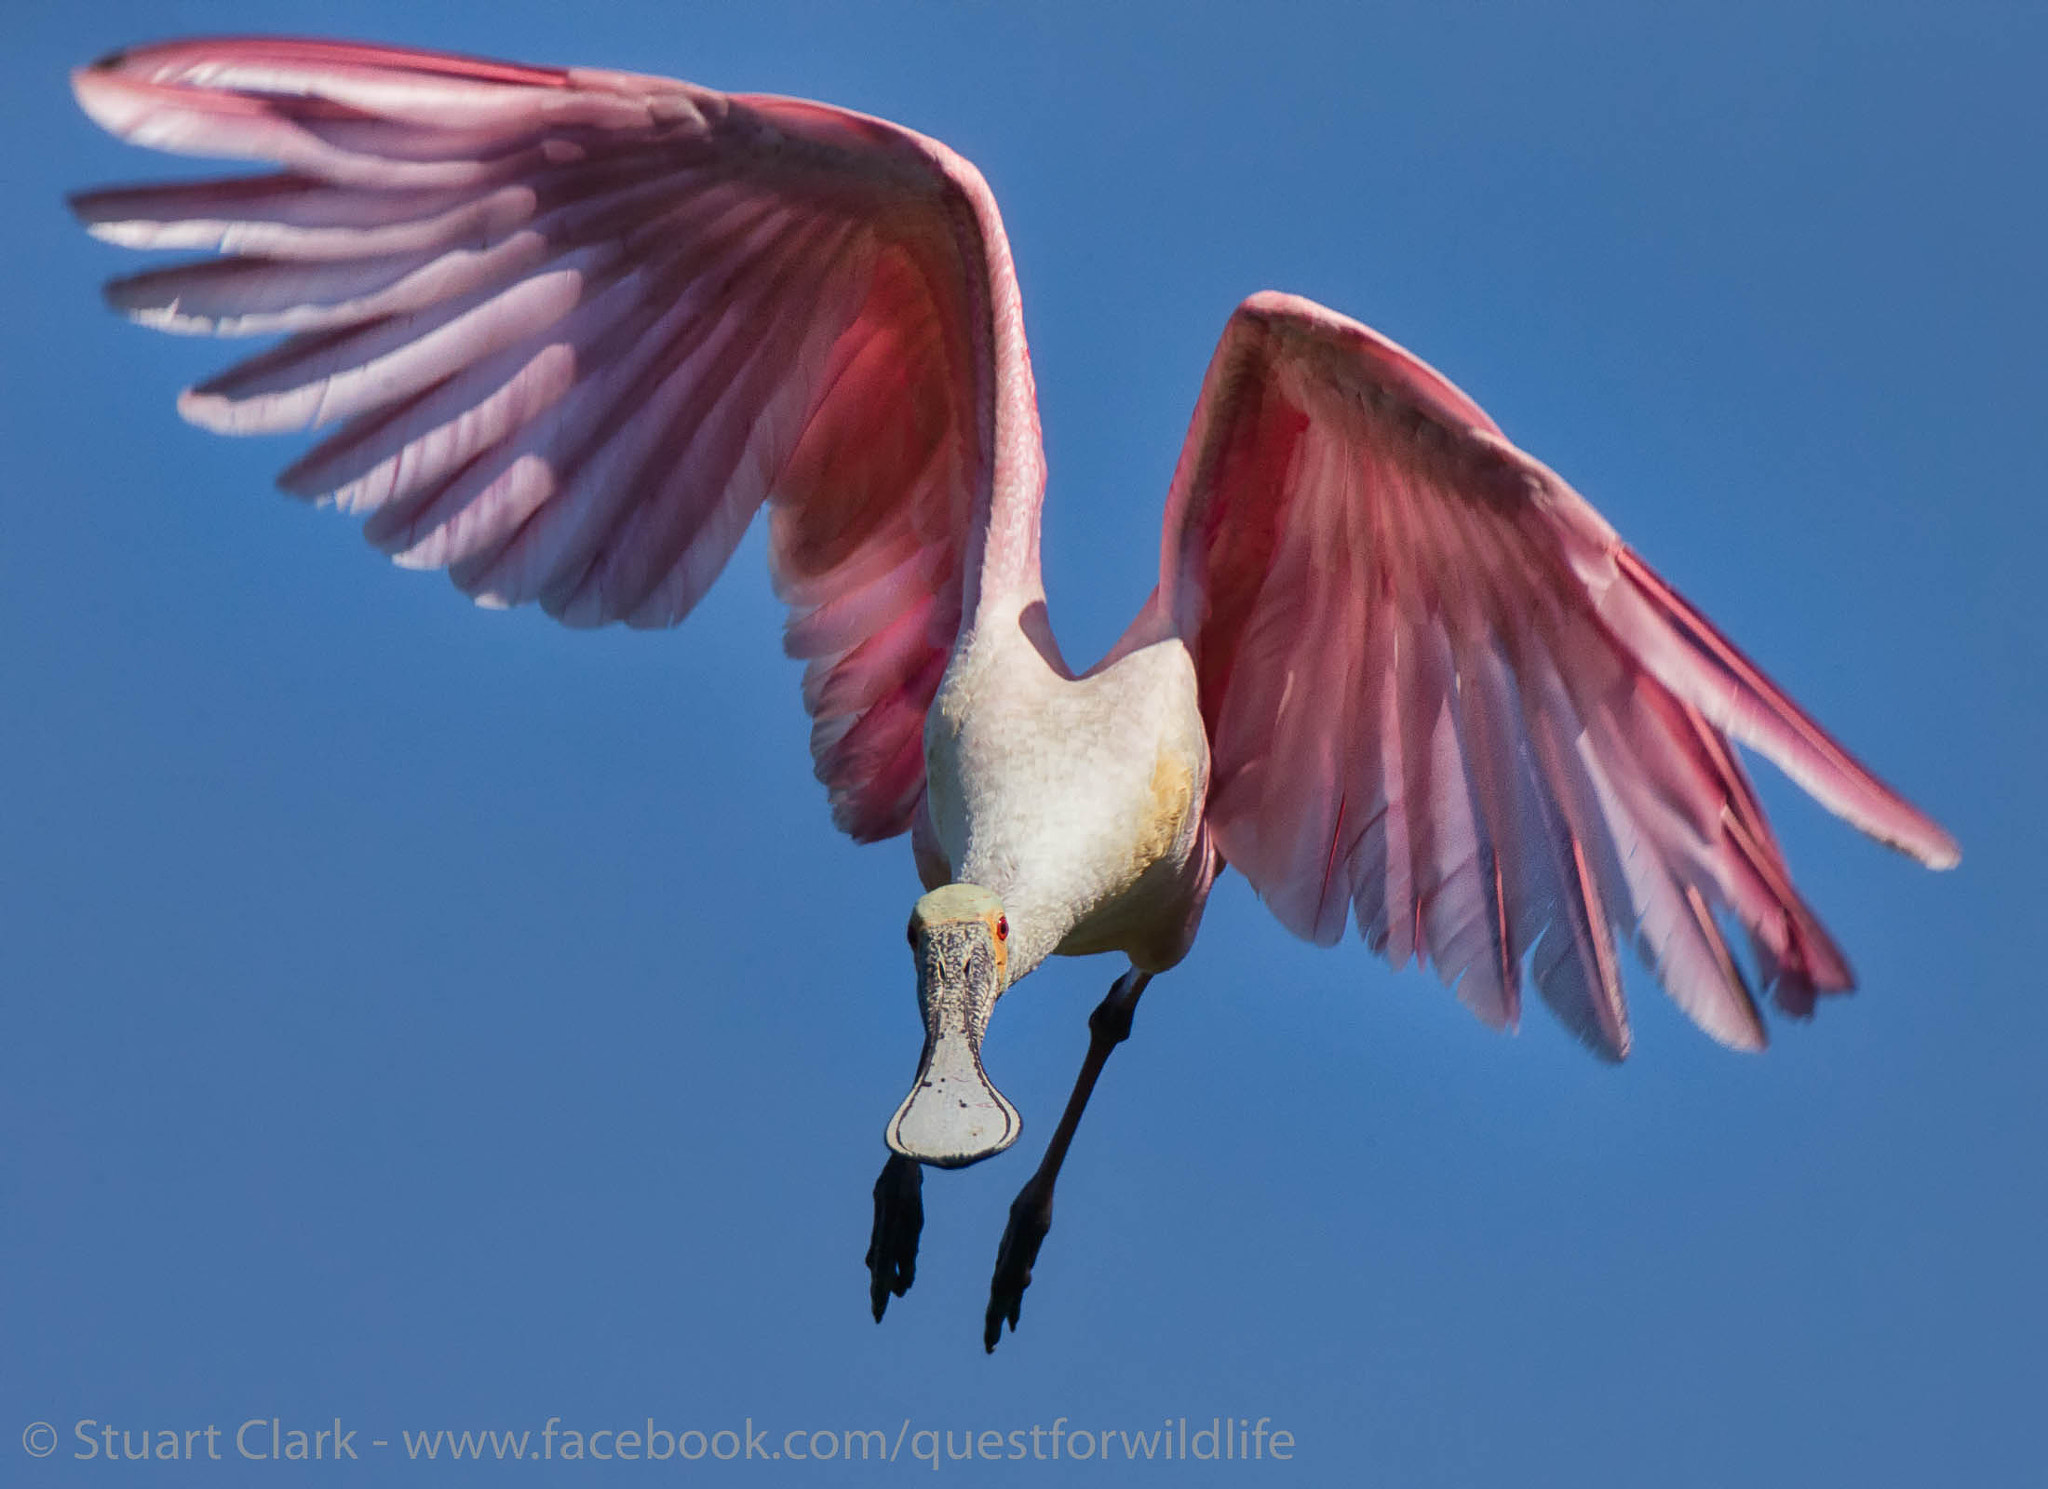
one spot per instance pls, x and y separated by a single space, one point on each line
569 329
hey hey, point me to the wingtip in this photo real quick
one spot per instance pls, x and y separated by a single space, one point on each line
108 93
82 205
1607 1052
1943 854
1747 1037
208 411
94 75
87 84
1920 838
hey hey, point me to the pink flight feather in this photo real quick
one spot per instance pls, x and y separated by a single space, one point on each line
1443 697
575 327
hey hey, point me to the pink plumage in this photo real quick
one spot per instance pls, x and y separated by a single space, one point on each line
577 326
1444 698
572 328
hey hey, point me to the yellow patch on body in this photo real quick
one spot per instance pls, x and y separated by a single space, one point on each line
1167 803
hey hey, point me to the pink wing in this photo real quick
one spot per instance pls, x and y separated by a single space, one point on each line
576 326
1443 696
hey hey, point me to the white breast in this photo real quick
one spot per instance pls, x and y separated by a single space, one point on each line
1076 800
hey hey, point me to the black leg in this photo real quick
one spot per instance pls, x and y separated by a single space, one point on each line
1031 1212
899 1218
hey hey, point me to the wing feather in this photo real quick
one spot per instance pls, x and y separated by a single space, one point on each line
575 327
1445 701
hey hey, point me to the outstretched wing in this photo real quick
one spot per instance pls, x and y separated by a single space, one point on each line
574 327
1444 697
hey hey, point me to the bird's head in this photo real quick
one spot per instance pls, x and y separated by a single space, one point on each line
953 1116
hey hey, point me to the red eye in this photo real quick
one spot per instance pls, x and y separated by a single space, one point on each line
1002 927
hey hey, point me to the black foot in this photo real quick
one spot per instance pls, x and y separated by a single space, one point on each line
899 1219
1030 1219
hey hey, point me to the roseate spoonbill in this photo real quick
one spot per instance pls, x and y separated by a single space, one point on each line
576 326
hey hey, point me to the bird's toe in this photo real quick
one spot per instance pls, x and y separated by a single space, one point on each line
1030 1219
899 1220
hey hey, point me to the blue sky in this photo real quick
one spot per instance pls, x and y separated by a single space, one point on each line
435 1019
